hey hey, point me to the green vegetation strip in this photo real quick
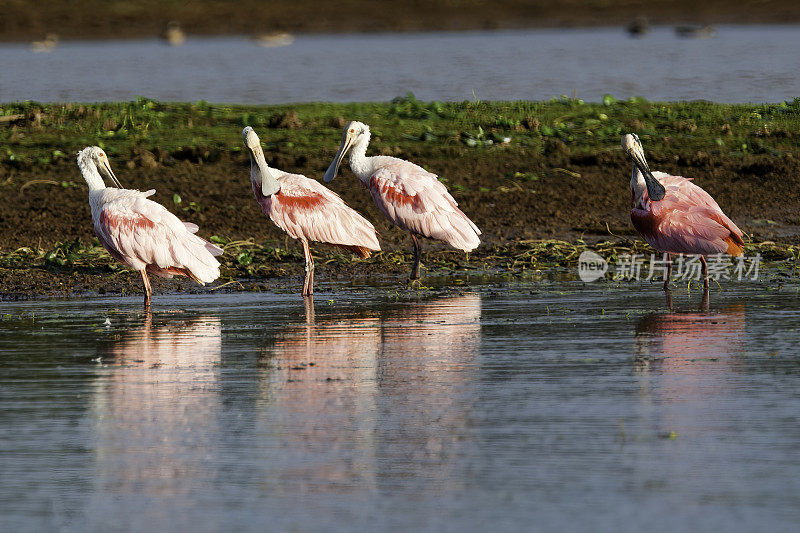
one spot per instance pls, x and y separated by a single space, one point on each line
34 134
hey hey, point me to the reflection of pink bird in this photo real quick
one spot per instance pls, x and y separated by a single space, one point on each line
686 340
306 210
676 216
142 234
412 198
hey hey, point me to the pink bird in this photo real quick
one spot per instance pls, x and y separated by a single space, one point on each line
676 216
142 234
307 210
411 198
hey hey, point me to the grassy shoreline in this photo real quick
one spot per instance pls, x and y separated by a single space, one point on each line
535 176
41 133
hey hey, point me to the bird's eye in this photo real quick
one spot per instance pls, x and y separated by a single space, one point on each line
352 131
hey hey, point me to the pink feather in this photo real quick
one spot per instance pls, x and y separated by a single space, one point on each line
686 221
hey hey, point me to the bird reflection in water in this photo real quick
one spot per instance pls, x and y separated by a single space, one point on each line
704 302
154 410
690 342
687 366
429 370
345 393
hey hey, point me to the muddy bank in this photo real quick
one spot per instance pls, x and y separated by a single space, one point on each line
571 197
85 270
525 172
97 19
528 226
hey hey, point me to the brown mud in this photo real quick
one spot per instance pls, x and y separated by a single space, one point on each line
578 199
102 19
573 197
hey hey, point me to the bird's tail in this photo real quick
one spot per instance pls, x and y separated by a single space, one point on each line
213 249
463 233
198 258
735 245
360 251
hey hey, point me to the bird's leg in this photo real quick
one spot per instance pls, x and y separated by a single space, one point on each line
704 301
668 274
147 290
415 268
705 272
311 277
309 306
308 284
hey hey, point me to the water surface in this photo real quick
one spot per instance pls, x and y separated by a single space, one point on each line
510 406
740 64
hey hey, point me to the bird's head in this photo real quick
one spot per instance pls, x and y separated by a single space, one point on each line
96 156
354 133
633 147
269 183
251 140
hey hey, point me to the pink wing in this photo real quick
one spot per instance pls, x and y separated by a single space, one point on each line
306 209
144 235
415 200
688 221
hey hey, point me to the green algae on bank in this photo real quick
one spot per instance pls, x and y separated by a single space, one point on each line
79 268
200 131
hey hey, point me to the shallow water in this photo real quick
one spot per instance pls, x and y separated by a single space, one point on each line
521 406
740 64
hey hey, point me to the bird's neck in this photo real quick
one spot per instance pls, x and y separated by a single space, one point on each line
260 171
638 188
255 170
359 162
90 174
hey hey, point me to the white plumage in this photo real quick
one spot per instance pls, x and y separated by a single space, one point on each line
307 210
408 195
415 200
141 233
147 236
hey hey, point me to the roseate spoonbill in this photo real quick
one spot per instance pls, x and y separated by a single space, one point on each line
142 234
676 216
411 198
306 210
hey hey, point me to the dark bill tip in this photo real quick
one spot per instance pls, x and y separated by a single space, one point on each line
655 191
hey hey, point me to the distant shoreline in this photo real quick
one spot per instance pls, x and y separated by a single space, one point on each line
95 19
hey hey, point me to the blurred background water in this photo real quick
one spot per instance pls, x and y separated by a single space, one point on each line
740 64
